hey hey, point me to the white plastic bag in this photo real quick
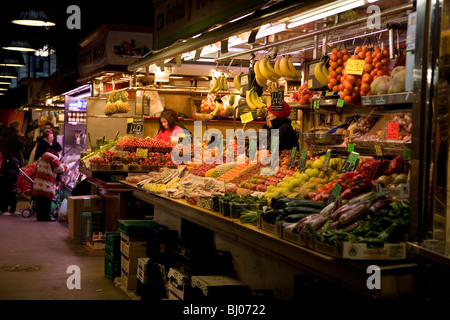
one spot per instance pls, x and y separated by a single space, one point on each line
62 213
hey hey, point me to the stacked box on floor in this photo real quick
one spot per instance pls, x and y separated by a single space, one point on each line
197 259
219 287
132 246
161 244
151 283
178 285
78 204
91 224
112 255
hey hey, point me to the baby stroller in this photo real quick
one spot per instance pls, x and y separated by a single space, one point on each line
26 186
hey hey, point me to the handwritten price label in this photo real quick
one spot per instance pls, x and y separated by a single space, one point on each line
392 130
247 117
355 67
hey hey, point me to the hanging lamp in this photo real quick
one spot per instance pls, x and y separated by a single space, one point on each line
11 59
19 45
8 72
33 18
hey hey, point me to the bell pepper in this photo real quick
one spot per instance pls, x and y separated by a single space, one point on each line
347 178
369 167
395 166
347 194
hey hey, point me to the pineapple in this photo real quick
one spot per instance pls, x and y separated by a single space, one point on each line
261 113
229 111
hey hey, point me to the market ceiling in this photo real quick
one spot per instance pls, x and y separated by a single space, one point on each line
62 39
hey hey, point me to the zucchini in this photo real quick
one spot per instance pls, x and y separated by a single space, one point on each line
305 203
274 200
295 210
270 216
282 202
296 217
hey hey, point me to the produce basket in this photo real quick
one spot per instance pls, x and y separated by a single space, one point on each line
205 202
323 138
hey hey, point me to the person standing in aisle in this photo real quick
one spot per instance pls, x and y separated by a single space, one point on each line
278 119
44 187
12 143
29 145
168 126
43 143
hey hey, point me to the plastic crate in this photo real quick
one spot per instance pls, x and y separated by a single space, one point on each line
135 227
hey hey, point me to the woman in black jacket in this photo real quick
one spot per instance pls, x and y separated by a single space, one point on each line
43 143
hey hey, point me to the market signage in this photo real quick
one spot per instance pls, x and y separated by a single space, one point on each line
114 48
181 19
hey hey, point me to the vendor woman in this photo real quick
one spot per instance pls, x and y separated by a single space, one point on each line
279 119
168 126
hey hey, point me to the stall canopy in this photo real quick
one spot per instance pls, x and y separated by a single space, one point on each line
276 27
250 17
111 48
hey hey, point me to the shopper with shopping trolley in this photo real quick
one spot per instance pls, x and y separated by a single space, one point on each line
44 187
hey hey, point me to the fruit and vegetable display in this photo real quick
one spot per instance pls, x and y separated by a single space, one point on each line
371 218
122 154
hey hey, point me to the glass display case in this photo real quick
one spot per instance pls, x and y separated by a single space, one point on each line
72 176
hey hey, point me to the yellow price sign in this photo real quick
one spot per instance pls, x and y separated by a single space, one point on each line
130 120
355 67
141 152
247 117
378 150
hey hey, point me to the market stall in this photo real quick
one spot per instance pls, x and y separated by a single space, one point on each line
358 186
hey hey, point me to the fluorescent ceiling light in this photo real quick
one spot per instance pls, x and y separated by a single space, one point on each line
325 11
205 60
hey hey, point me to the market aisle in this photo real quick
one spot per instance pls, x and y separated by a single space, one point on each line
34 257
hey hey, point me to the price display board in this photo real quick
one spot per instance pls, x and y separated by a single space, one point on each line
277 100
135 126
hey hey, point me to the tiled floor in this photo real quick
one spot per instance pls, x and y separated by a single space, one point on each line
35 261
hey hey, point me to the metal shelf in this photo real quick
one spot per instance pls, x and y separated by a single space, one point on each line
387 99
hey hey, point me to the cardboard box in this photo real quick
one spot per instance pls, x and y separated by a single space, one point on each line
360 251
129 264
142 269
78 204
219 286
133 249
128 281
111 208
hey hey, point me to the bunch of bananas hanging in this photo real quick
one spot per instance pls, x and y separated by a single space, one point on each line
237 81
321 73
284 67
264 72
219 84
253 100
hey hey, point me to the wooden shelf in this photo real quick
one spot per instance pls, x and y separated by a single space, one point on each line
348 274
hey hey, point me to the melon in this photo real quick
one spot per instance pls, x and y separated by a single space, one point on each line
380 85
398 82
